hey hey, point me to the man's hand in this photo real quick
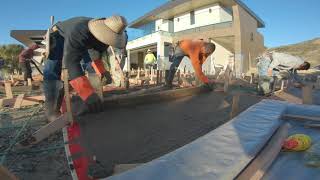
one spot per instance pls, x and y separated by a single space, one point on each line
106 78
210 85
270 72
94 103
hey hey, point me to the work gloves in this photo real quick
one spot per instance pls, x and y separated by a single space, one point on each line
209 86
106 78
86 92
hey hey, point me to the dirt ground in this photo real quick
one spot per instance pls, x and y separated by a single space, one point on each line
46 160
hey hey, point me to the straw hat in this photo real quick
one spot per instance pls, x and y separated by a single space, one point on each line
110 30
149 51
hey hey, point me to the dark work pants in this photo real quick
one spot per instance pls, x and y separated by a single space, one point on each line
26 69
176 60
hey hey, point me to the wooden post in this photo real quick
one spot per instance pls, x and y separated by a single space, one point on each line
11 78
282 85
67 94
235 106
8 89
226 79
95 81
251 78
152 74
318 82
160 77
18 102
178 76
307 94
29 82
138 74
158 74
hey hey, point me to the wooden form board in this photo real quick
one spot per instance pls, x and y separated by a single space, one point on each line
299 117
19 100
260 164
44 132
8 90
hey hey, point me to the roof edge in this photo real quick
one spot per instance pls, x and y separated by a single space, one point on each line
170 4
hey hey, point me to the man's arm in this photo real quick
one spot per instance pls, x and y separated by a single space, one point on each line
197 66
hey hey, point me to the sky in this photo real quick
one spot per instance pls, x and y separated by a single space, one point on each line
287 21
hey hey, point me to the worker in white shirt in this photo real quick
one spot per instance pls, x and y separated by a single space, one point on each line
281 65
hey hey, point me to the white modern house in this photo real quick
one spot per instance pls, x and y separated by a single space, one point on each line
230 24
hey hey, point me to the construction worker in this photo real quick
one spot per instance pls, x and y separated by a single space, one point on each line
25 57
70 41
198 51
150 60
280 65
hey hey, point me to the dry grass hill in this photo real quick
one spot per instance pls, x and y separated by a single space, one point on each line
309 50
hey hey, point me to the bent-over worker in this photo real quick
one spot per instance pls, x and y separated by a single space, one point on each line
25 57
70 41
198 51
281 65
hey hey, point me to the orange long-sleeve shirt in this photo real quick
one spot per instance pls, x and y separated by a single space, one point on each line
193 49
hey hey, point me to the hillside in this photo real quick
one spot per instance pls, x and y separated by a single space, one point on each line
309 50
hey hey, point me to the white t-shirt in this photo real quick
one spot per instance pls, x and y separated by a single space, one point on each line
282 61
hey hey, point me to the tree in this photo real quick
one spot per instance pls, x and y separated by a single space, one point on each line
10 55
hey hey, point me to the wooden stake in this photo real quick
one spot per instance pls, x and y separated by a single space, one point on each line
251 78
158 76
29 82
235 106
19 100
95 81
67 94
12 80
307 94
282 85
7 86
226 79
260 164
1 103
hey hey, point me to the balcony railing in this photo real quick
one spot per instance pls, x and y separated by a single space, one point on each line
205 28
155 33
136 34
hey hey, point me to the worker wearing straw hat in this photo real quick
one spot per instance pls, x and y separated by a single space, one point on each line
70 40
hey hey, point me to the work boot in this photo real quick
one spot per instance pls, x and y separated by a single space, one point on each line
53 92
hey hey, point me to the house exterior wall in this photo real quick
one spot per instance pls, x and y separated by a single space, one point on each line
204 16
248 41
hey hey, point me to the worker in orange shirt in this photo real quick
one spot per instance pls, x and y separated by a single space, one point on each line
198 51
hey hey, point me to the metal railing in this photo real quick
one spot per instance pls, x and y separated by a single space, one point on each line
137 34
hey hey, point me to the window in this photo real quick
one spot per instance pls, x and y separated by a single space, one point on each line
192 18
178 19
251 37
210 10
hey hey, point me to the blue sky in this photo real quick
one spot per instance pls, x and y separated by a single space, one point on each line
287 21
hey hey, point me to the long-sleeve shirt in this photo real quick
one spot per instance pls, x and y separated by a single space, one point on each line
78 40
193 50
282 61
25 55
150 59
